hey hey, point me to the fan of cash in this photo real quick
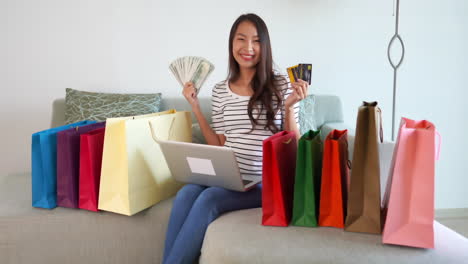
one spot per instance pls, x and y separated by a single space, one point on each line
191 69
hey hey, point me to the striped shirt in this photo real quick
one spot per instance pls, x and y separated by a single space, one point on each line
231 119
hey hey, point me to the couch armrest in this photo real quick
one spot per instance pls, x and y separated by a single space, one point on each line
58 113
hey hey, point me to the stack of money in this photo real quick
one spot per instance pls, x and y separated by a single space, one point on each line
191 69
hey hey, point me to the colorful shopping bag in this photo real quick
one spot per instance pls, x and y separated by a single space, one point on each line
44 165
279 155
409 197
364 192
307 180
134 174
91 146
335 180
68 163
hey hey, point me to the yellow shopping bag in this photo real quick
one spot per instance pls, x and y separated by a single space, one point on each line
134 174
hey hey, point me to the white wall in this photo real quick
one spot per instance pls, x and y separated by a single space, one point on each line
126 46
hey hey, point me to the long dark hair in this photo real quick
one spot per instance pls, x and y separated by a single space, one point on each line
263 83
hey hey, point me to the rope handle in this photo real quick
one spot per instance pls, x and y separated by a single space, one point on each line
380 124
153 129
438 140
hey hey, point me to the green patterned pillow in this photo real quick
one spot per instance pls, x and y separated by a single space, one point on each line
81 105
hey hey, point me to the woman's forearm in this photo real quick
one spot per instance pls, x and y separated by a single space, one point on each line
209 134
290 122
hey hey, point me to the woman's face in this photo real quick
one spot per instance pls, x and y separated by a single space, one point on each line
246 45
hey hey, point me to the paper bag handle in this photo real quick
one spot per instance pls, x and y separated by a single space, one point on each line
380 124
438 140
348 162
152 130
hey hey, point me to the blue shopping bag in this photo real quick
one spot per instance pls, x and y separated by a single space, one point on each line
44 165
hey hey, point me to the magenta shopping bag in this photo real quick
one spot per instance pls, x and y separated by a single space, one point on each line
68 163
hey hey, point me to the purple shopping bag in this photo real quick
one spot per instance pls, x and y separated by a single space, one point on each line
68 163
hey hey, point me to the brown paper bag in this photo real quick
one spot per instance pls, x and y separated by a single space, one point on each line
364 213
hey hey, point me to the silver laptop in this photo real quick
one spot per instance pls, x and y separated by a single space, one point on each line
205 165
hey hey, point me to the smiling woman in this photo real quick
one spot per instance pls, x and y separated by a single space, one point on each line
249 106
249 50
246 45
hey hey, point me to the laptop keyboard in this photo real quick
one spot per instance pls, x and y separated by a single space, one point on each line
246 182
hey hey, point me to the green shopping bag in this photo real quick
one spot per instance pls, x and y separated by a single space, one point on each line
307 181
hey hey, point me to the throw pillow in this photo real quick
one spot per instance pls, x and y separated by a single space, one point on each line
80 105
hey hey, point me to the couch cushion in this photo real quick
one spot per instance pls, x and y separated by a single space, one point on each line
63 235
238 237
80 105
197 134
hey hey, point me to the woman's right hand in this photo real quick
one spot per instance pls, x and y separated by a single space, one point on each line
190 94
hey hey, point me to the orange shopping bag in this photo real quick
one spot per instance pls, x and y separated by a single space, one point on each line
335 180
409 197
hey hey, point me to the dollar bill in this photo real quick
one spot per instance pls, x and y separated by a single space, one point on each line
191 69
201 73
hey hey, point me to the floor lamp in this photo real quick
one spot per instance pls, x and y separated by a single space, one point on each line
395 37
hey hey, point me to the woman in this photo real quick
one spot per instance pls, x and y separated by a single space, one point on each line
251 105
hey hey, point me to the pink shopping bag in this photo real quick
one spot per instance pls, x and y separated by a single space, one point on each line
409 196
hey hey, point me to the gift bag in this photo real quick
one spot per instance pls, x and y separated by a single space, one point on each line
364 192
279 156
335 180
307 180
409 197
91 145
68 163
44 166
134 174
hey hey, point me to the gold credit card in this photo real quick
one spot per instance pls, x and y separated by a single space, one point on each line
301 71
292 73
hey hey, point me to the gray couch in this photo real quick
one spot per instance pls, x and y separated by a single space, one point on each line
62 235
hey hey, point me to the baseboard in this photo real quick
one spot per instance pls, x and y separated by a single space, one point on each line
451 213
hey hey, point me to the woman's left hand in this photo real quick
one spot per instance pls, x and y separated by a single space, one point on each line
299 92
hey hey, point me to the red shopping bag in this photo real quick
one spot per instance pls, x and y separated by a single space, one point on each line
335 180
279 165
91 146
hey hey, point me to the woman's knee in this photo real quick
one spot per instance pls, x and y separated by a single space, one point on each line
189 191
213 194
209 202
210 199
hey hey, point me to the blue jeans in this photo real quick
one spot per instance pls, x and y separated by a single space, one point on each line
194 208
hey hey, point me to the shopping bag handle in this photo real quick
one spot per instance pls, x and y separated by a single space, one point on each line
438 140
152 132
155 138
348 162
380 124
